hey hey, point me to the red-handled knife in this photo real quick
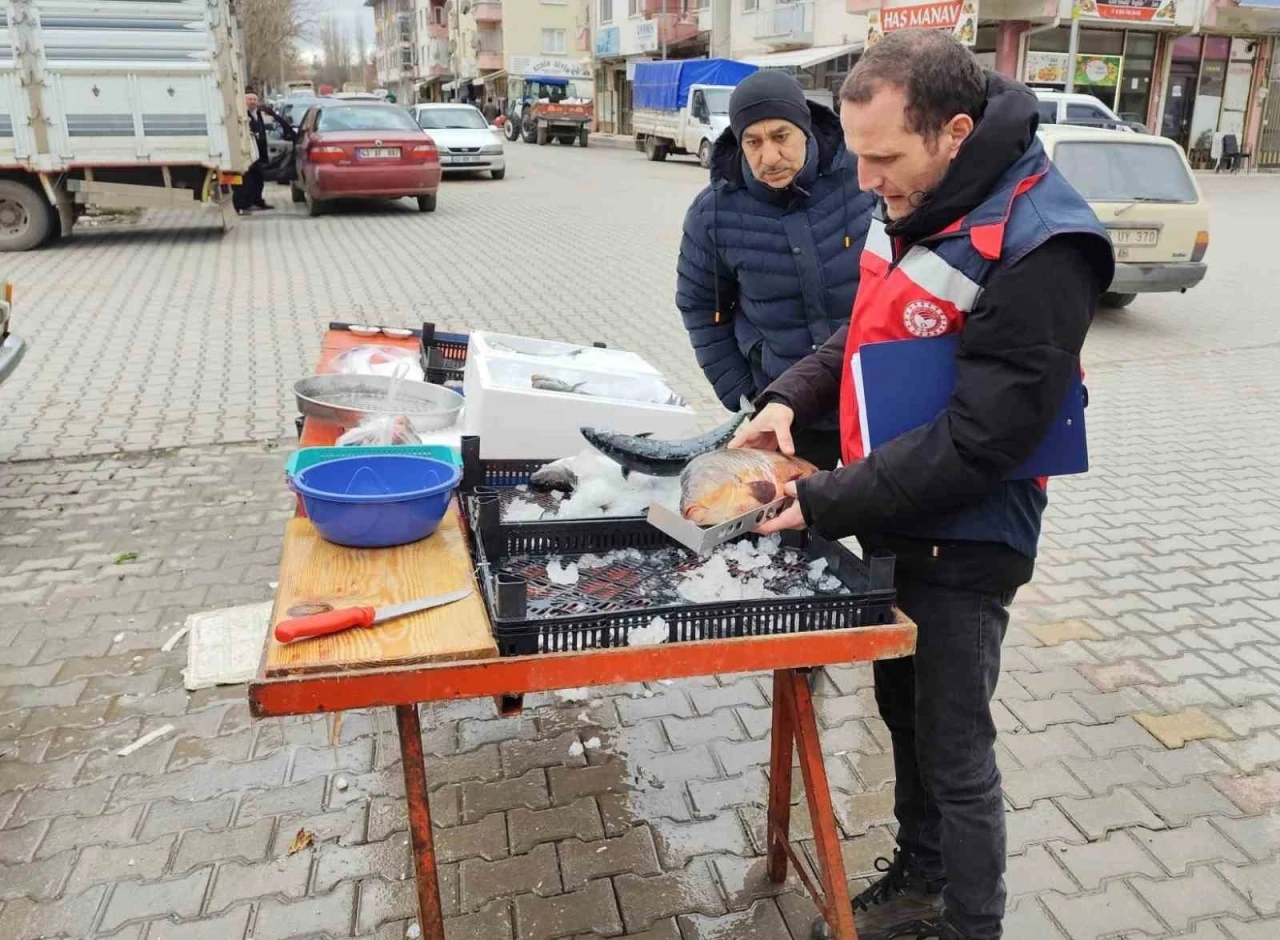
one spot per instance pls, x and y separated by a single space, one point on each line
334 621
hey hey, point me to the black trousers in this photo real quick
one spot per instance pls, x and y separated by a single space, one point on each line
249 192
937 705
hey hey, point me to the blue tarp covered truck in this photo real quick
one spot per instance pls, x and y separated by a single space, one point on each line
681 106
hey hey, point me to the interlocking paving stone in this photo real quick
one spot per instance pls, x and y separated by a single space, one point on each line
1036 871
1110 912
72 915
633 851
1177 804
1042 822
678 842
762 922
481 881
1251 792
1176 849
132 900
1250 754
1100 814
41 879
1121 769
1024 787
579 820
1258 882
1193 760
1257 835
198 847
645 900
1190 724
591 909
1097 862
280 919
227 926
528 791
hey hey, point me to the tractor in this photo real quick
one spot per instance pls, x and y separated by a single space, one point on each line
543 108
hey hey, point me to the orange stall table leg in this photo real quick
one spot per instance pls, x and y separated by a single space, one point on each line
794 722
430 918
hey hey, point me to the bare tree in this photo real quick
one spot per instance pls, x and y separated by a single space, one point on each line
271 30
335 51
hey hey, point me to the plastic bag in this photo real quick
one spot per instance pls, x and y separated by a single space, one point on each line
372 359
379 431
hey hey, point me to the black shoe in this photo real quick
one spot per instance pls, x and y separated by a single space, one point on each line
901 896
929 928
263 205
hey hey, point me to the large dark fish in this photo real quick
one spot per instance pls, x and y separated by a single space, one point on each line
640 453
723 485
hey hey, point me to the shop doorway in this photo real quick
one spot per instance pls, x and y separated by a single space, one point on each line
1269 141
1180 102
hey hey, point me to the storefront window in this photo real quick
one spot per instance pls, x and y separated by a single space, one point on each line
1213 78
1135 82
1101 64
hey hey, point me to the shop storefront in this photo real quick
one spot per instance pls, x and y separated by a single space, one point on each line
1116 66
1232 80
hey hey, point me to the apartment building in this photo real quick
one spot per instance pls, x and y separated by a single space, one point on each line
395 46
471 47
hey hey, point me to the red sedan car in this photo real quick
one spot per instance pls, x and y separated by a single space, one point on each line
364 149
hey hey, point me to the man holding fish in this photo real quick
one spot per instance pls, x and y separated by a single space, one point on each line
976 233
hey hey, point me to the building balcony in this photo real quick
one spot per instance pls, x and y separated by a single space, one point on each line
787 24
487 11
675 28
489 61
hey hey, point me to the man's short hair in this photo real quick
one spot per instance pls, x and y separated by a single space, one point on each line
938 75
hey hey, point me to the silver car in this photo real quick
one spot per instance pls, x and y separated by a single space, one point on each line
466 141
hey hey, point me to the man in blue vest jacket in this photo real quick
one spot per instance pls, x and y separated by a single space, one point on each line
977 235
769 259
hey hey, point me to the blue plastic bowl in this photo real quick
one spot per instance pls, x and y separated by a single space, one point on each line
377 500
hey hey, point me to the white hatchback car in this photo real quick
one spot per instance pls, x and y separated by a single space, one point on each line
1142 189
467 142
1058 107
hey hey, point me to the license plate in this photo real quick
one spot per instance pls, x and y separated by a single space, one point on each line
1134 236
378 153
464 159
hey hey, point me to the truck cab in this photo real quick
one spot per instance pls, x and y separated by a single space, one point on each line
682 106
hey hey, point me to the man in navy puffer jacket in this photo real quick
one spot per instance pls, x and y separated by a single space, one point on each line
769 259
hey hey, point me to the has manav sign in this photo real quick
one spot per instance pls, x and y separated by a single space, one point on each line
958 17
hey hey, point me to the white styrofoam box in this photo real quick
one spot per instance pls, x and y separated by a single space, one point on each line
559 355
516 421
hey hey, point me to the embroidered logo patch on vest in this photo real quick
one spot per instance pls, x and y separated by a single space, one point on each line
924 318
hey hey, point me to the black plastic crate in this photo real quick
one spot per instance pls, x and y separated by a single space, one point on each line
444 355
531 614
478 472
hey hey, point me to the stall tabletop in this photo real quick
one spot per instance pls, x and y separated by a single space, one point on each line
314 572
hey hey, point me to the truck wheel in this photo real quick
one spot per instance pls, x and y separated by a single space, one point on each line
640 143
542 135
511 130
582 138
529 134
655 151
704 154
1118 301
26 218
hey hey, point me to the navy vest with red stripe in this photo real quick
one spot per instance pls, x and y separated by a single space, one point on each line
926 289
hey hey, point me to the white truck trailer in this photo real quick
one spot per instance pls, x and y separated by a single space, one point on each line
682 106
123 104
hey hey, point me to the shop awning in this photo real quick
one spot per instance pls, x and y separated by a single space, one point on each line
802 58
491 77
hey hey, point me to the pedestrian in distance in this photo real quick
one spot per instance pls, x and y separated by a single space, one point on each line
247 197
975 233
768 262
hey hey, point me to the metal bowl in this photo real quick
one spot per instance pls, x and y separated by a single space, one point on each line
346 399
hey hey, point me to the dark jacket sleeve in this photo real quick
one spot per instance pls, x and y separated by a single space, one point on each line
1019 350
714 344
811 387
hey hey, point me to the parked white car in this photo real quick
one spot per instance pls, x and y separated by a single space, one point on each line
467 142
1058 107
1142 189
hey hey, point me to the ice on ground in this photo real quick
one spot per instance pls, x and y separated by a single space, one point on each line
573 695
590 562
561 574
653 633
790 557
576 749
747 556
817 569
592 744
769 544
830 583
522 510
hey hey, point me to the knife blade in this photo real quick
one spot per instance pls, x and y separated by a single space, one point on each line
334 621
701 541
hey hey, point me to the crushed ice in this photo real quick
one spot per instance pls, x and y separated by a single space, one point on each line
601 491
561 574
651 634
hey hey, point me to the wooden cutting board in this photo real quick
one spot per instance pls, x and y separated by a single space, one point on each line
315 572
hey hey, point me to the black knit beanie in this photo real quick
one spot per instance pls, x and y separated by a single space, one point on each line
768 95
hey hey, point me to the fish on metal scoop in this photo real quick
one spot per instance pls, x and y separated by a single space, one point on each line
640 453
724 484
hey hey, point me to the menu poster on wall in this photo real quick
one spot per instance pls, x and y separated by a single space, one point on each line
1046 68
959 17
1101 70
1145 11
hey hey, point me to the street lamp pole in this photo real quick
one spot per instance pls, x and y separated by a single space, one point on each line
1073 47
661 31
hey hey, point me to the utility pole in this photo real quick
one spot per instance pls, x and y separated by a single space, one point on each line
662 32
1073 47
